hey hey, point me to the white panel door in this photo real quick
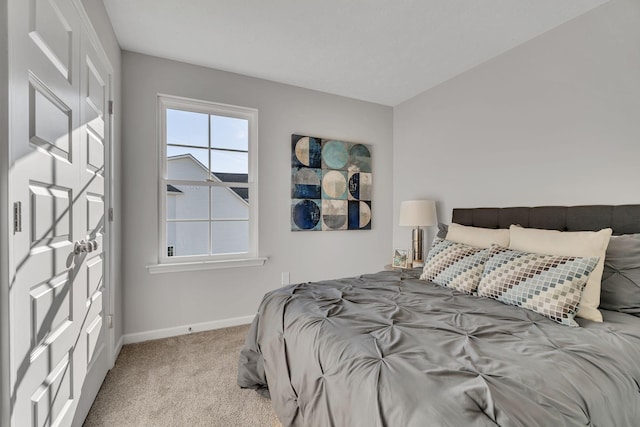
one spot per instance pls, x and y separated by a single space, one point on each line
94 137
58 92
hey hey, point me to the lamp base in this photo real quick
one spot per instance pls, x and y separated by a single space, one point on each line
417 264
417 237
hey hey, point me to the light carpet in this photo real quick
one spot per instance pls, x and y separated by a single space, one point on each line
188 380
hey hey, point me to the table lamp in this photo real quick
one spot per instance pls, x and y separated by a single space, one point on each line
417 213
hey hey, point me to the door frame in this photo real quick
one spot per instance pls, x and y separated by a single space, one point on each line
5 216
110 192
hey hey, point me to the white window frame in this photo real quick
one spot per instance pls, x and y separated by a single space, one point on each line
202 262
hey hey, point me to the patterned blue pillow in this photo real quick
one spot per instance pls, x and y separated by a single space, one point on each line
454 265
547 284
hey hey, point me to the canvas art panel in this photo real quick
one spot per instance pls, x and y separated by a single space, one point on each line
331 184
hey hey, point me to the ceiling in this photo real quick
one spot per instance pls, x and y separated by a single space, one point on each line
382 51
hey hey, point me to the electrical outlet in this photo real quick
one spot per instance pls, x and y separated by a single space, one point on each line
285 279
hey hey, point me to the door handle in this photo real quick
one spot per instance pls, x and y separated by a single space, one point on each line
85 246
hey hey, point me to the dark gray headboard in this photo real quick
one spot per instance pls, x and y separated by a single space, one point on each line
623 219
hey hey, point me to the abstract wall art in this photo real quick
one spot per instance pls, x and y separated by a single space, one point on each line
331 184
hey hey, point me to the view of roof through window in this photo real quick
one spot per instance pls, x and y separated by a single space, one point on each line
219 143
208 193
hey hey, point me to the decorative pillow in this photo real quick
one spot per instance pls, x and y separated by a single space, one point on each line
442 230
621 277
454 265
477 236
547 284
570 243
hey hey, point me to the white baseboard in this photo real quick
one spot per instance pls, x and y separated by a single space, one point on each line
186 329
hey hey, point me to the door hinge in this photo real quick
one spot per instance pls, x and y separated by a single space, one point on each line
17 217
110 214
110 107
110 321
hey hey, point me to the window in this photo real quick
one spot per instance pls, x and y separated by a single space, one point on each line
208 181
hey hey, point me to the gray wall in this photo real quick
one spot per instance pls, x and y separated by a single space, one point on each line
553 121
101 23
169 300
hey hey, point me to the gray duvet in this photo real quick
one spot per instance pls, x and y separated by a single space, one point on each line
389 350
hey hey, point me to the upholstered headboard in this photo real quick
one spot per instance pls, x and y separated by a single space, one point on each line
623 219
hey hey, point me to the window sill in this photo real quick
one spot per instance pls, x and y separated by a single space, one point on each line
205 265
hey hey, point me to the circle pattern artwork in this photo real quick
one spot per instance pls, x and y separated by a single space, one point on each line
302 150
360 186
306 177
334 184
306 214
335 154
330 184
334 214
354 186
305 184
307 151
365 214
359 158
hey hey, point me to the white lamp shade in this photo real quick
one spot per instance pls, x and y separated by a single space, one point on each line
418 213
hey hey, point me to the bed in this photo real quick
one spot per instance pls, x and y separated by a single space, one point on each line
388 349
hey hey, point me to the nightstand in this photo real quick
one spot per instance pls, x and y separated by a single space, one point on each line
389 267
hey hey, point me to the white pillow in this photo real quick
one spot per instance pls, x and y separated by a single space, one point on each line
574 243
477 236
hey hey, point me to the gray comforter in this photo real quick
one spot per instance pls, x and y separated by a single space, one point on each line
389 350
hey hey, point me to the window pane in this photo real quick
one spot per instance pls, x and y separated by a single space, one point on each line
187 163
187 202
229 203
187 128
229 162
229 132
204 164
188 238
229 237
